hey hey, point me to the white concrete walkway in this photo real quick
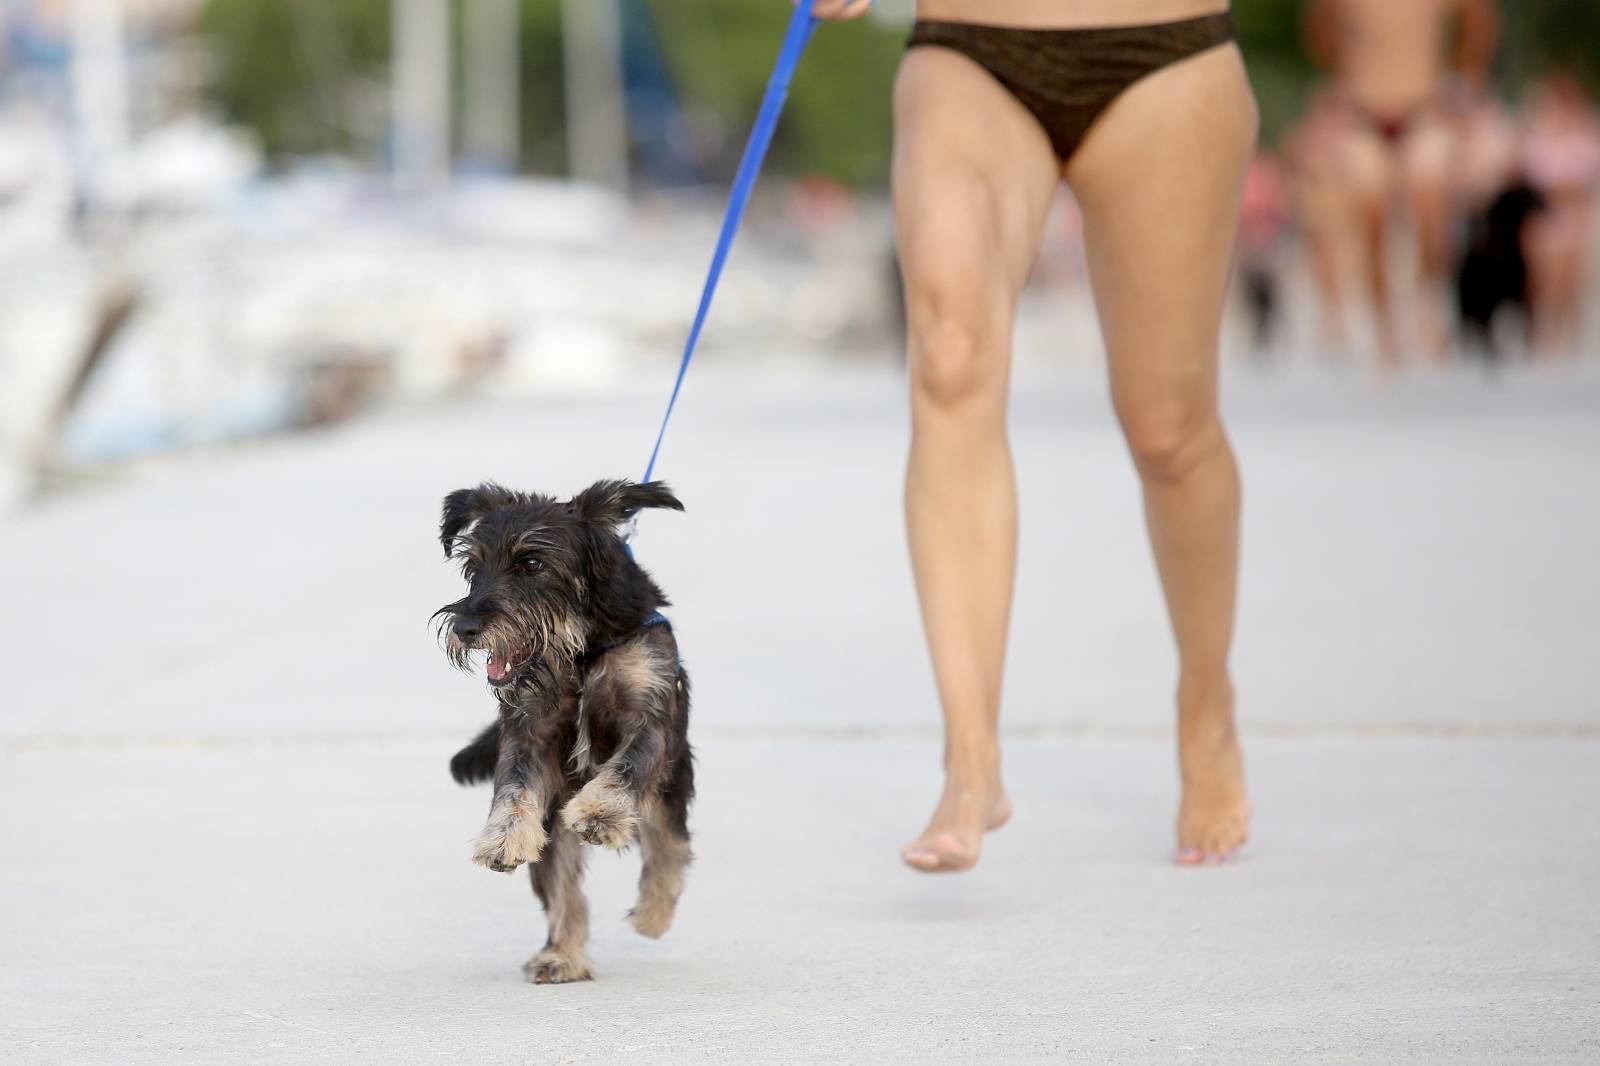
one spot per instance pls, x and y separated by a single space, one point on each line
226 831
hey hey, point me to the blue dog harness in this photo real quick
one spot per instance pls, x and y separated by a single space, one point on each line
651 621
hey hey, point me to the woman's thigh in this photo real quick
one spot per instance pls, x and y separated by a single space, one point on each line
1159 179
974 175
1428 154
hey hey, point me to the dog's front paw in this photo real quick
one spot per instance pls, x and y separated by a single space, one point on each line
552 967
508 842
602 813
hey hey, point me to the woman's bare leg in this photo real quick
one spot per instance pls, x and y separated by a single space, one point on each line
973 180
1370 175
1426 157
1159 179
1556 249
1325 233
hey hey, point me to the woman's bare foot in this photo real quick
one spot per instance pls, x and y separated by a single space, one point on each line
972 804
1214 815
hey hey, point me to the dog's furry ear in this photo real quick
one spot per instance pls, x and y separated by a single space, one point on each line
614 502
465 506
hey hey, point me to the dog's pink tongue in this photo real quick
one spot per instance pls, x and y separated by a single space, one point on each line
498 668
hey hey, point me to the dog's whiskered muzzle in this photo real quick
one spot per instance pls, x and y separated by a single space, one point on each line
500 667
505 653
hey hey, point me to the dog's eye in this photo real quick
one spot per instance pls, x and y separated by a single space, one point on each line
530 564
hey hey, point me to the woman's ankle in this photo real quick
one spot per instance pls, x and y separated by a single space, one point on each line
974 765
1205 701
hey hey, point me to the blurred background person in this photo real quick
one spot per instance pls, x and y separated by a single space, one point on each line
1561 160
1487 150
1391 64
1492 208
1263 225
1324 212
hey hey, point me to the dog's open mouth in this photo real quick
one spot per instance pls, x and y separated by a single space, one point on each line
503 667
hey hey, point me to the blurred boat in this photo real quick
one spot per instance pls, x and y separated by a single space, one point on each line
223 303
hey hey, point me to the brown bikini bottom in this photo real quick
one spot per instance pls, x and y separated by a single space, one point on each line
1392 126
1067 78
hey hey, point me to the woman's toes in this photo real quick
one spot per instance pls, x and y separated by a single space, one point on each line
944 854
952 853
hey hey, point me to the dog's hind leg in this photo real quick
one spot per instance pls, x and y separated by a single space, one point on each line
475 763
558 882
665 844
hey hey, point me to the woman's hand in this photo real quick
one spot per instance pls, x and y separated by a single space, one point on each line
841 9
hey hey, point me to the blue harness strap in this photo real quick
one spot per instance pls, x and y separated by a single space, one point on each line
652 620
755 151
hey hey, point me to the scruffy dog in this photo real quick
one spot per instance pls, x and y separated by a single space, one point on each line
591 744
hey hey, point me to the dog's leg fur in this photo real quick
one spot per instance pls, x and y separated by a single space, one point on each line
606 810
666 857
524 785
558 882
475 763
635 686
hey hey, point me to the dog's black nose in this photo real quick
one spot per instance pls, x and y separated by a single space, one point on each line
467 629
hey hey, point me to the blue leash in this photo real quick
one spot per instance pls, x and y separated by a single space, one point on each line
755 151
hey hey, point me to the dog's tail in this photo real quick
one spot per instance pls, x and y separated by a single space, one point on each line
474 764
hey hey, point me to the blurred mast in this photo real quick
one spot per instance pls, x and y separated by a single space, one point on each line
421 95
490 135
597 123
100 98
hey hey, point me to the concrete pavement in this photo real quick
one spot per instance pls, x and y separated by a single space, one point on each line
227 834
1403 901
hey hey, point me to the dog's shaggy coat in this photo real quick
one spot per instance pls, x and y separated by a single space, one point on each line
591 742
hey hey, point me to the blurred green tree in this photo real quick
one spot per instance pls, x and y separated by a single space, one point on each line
1269 35
308 75
837 123
1541 34
291 70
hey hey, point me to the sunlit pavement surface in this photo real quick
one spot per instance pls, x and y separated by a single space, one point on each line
227 833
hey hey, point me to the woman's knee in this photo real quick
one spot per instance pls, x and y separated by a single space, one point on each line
956 356
1167 445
